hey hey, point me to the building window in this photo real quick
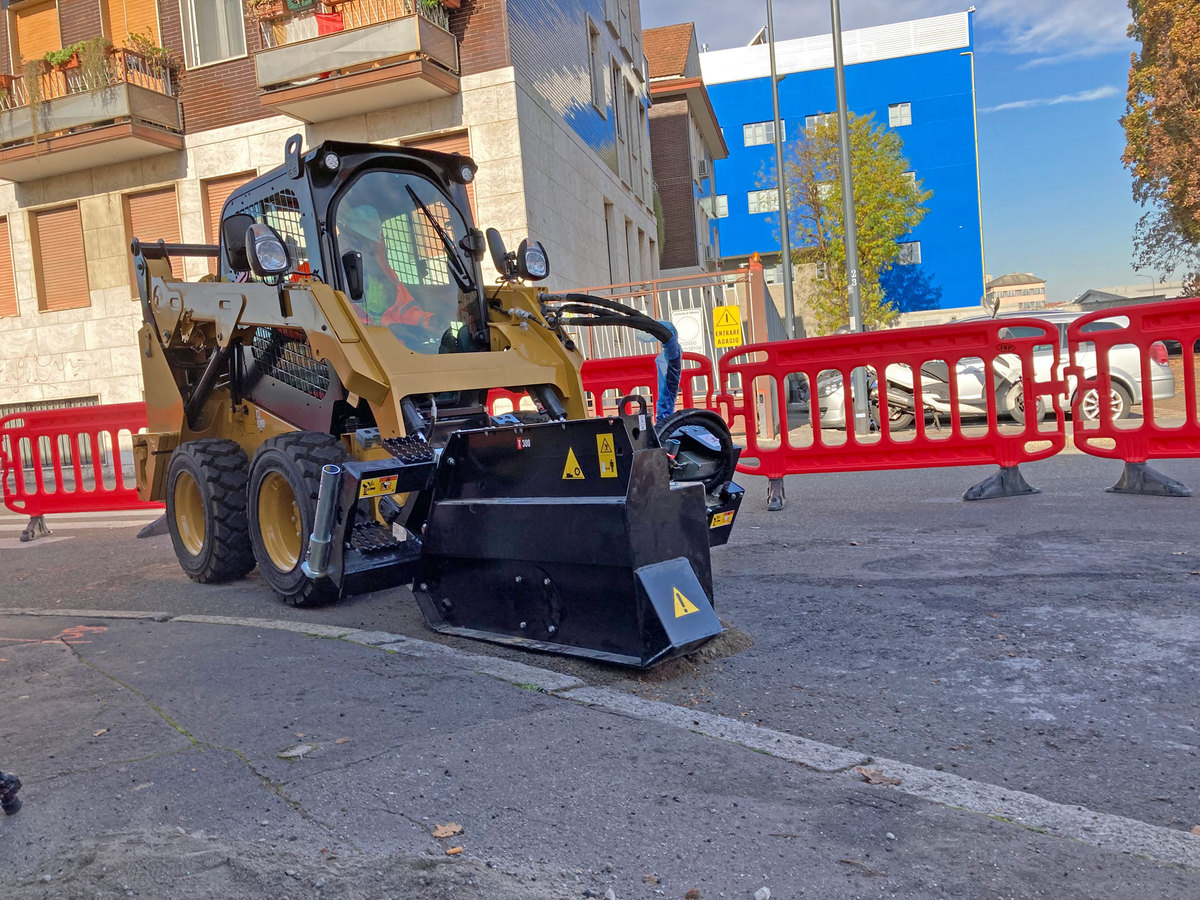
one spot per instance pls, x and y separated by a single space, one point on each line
60 266
213 30
820 119
721 206
899 114
150 216
757 133
8 282
617 95
763 201
910 253
595 62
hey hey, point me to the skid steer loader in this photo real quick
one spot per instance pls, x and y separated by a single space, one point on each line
318 408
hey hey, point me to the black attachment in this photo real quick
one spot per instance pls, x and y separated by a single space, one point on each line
9 802
505 558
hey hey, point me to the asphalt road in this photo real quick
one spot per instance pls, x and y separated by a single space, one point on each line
1044 644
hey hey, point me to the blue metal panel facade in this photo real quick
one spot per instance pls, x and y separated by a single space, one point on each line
549 45
939 145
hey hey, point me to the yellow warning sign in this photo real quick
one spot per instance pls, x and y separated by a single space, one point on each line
721 518
683 606
608 459
572 469
727 326
378 487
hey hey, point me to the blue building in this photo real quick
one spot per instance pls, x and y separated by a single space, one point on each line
916 77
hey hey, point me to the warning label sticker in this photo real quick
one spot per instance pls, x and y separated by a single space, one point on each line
727 326
378 487
608 458
721 518
572 469
683 606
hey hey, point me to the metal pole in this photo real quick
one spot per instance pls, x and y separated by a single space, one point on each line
858 379
978 185
785 243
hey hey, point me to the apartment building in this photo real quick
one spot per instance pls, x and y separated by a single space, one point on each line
685 142
197 96
915 77
1016 292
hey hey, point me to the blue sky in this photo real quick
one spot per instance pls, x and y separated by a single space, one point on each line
1050 86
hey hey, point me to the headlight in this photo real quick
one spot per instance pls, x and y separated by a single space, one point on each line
532 262
331 161
829 386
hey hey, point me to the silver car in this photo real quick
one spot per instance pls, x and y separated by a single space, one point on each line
974 383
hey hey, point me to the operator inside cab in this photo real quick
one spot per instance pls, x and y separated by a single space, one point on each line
417 281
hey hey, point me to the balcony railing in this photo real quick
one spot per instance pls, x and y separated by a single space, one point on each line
330 16
124 67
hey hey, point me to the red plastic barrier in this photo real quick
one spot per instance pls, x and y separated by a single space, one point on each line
637 374
69 460
953 439
1153 435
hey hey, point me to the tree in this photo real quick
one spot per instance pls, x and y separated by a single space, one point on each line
1162 135
888 204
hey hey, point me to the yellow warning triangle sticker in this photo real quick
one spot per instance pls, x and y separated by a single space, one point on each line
605 443
683 606
727 317
572 469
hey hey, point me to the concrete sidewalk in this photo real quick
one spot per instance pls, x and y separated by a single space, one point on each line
195 756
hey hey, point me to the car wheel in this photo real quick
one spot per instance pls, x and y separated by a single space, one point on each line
1014 404
1089 405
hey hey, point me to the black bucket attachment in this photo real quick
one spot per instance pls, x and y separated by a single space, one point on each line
568 537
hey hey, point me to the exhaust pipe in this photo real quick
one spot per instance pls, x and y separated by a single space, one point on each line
316 561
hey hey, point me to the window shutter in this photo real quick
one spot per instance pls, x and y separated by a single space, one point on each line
37 32
216 191
450 143
61 265
125 17
152 215
8 286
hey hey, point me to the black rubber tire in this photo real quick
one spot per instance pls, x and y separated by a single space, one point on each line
1123 396
717 427
208 476
296 458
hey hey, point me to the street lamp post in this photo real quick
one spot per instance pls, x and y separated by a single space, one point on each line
785 245
858 378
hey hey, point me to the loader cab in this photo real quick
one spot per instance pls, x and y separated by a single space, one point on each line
390 228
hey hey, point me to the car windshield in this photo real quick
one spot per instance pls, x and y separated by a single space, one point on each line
417 281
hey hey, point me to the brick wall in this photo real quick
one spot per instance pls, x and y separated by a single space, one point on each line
217 95
79 20
481 27
673 175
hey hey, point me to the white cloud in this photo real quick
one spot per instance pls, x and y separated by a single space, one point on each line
1101 93
1065 28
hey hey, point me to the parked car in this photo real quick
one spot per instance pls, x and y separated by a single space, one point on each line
973 381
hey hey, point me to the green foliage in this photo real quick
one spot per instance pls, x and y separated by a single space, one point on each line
1162 135
61 56
145 45
888 204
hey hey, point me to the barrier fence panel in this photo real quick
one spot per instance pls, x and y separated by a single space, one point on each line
70 460
607 380
976 381
1144 355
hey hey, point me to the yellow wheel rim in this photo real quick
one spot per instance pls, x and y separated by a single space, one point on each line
279 521
189 513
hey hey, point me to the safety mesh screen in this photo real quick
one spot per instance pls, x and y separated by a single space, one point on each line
281 211
414 250
287 357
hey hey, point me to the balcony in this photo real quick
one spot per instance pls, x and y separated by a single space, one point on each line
77 121
347 57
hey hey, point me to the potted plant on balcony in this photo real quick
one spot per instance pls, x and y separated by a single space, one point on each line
266 9
64 58
94 61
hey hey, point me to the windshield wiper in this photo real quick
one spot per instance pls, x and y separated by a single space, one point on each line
457 268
